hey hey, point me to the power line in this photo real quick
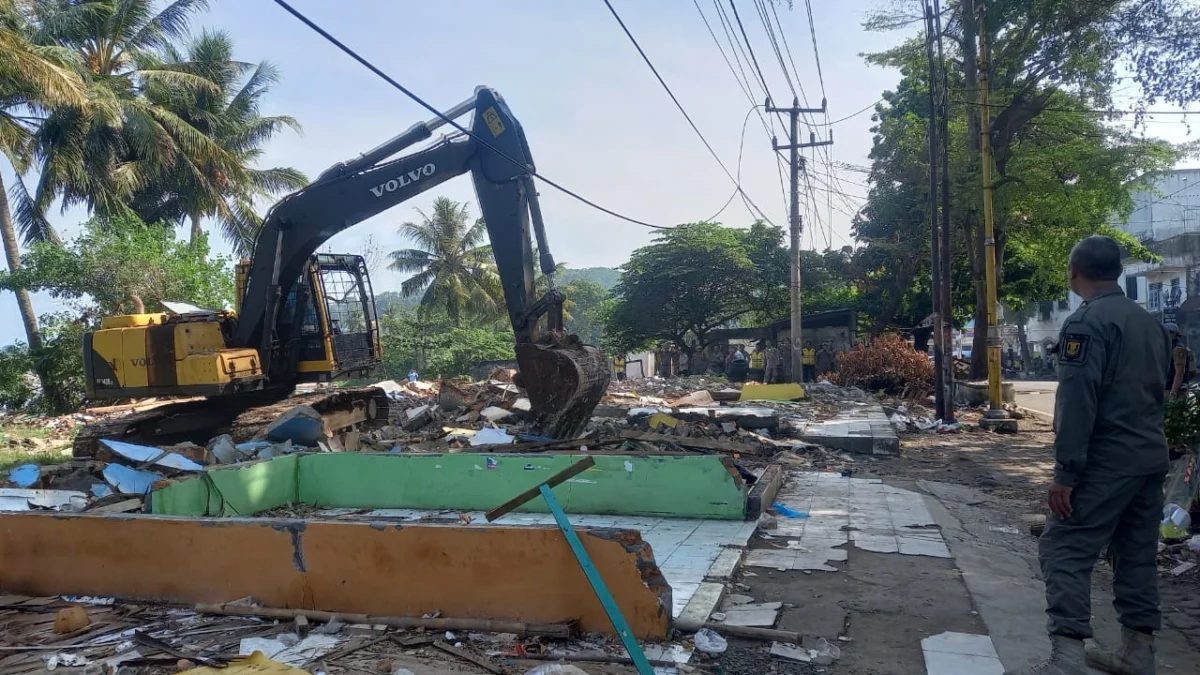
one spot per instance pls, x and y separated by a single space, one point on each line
749 48
812 29
1088 111
762 16
681 110
744 85
851 115
741 146
387 78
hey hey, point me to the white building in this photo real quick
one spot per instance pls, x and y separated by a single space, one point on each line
1167 220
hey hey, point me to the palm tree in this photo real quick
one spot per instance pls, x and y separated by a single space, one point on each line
452 268
230 117
32 77
102 153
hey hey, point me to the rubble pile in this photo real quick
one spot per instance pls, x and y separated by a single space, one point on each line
655 415
103 635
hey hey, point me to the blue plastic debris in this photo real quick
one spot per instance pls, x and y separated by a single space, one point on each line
26 475
145 453
100 490
301 425
788 512
129 481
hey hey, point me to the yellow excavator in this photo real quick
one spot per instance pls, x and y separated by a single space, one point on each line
303 316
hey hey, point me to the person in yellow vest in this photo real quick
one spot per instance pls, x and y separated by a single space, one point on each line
758 363
808 357
619 366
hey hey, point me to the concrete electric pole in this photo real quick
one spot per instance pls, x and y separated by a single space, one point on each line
797 164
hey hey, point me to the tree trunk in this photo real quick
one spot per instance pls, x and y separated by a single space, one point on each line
197 229
51 391
1023 339
12 253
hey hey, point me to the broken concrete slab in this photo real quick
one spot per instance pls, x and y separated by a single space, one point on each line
858 427
495 414
696 398
690 486
499 573
746 417
761 615
24 499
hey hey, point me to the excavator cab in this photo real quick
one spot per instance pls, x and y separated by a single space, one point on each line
328 323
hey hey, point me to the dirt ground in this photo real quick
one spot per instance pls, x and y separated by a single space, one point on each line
1016 470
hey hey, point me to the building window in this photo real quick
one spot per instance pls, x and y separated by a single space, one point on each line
1044 309
1064 304
1154 299
1131 288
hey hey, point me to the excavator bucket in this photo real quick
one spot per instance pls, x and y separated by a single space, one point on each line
564 379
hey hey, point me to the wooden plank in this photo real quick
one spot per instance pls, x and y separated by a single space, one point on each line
124 506
467 656
557 479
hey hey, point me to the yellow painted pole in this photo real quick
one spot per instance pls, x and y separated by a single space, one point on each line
995 405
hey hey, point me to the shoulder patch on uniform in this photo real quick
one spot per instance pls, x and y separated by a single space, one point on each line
1074 348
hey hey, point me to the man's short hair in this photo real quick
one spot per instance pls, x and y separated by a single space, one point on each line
1097 258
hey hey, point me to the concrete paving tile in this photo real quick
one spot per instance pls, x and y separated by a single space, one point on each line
701 603
876 543
937 663
725 564
960 643
763 616
933 549
770 558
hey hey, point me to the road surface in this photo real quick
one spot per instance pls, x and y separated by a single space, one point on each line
1035 395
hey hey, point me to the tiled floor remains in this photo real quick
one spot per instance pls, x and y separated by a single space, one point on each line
874 516
960 654
687 550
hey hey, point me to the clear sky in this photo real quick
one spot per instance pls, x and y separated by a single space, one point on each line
596 119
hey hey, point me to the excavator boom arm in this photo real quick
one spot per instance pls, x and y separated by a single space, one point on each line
564 379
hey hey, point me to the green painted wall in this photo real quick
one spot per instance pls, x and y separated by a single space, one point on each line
242 489
697 486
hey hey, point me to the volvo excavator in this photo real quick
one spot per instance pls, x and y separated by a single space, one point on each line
304 316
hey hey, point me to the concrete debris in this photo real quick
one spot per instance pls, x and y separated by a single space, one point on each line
129 481
23 499
289 648
491 436
145 455
495 414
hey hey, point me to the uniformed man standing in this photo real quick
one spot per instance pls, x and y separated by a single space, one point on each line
1110 463
1183 364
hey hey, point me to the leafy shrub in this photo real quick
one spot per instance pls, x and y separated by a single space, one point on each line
888 364
1182 419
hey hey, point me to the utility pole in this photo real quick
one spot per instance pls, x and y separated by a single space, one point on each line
996 418
945 306
939 348
797 164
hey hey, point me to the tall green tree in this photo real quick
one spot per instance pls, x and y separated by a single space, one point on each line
33 78
692 279
1049 57
452 268
101 153
1061 171
192 191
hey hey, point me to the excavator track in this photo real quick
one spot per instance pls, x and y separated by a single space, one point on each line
241 416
